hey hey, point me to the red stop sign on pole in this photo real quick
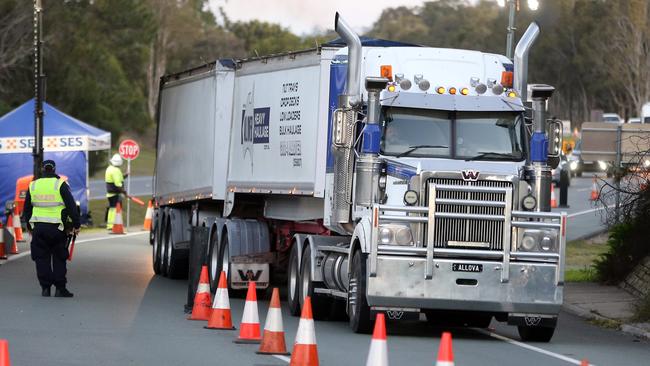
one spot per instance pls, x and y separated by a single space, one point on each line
129 149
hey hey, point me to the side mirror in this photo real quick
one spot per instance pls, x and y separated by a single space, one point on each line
554 133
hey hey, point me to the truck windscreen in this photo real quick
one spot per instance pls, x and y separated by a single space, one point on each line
430 133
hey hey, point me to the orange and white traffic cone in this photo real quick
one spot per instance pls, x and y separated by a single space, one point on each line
273 338
221 317
201 309
18 228
378 354
4 353
118 223
594 191
305 351
12 235
148 216
553 199
249 330
3 254
445 352
584 362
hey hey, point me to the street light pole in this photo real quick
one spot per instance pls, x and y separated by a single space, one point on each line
512 8
37 151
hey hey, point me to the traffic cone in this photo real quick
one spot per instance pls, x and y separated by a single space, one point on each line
249 331
221 318
201 309
594 191
12 235
18 228
118 224
3 254
4 353
305 351
273 338
584 362
445 352
553 199
378 354
148 216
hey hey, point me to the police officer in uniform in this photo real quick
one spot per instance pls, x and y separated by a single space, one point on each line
114 187
51 214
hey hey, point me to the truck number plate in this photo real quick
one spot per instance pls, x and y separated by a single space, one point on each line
466 267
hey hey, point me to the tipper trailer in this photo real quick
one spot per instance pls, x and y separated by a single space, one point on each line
429 191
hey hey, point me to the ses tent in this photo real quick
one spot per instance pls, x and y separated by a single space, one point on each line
66 140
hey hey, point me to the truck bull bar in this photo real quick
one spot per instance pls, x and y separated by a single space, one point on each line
428 215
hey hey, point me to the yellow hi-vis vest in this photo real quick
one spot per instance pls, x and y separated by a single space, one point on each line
113 176
47 201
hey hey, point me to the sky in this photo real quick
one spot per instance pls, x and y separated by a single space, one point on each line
307 16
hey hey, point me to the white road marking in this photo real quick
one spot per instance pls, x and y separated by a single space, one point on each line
583 189
588 211
283 358
532 348
23 254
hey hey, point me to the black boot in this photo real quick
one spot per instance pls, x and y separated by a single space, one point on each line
46 291
63 292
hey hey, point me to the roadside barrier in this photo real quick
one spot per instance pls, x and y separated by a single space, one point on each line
118 223
305 351
148 216
594 191
445 352
273 342
18 228
201 309
3 254
13 248
553 197
378 354
4 353
221 317
249 330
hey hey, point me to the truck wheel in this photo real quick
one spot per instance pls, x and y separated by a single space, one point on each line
321 305
358 309
177 262
535 334
152 232
224 265
157 248
293 279
166 243
213 263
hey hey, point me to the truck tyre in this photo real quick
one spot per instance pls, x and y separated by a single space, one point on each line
213 262
177 262
156 250
358 309
166 243
293 279
321 306
224 265
152 232
535 334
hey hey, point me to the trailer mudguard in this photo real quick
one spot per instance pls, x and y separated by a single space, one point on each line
179 219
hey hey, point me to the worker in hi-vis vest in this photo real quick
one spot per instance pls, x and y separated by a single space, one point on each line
51 215
114 187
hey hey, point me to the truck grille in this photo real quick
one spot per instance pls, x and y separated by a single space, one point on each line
487 233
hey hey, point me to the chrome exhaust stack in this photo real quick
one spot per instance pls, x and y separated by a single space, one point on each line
521 60
352 94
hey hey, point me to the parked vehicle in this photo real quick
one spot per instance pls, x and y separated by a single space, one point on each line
425 192
612 118
645 113
634 120
563 166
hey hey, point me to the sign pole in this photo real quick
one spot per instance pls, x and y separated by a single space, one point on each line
37 151
128 189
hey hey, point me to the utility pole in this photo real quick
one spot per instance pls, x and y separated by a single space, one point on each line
37 151
512 8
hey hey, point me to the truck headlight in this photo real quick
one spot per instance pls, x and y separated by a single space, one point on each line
395 234
602 165
573 165
538 241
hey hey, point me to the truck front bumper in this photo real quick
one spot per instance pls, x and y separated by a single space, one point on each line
399 283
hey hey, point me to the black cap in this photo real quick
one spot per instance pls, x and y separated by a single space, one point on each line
49 165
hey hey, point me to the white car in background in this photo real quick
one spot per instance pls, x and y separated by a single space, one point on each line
612 118
634 120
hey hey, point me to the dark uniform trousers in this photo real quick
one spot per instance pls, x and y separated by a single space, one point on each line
50 252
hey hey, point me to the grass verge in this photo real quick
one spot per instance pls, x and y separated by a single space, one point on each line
97 209
580 257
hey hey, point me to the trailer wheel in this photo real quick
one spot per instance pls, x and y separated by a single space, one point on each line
293 279
224 265
213 262
535 334
157 247
321 306
358 309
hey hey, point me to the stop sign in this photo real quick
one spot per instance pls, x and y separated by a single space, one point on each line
129 149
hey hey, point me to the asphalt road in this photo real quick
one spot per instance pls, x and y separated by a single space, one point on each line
124 315
140 186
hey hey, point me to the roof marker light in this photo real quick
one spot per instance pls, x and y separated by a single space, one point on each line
452 90
464 91
512 94
440 90
386 71
391 88
506 79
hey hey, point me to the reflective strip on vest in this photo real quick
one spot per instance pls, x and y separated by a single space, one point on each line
47 204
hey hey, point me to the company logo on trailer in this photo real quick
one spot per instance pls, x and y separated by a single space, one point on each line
470 175
255 126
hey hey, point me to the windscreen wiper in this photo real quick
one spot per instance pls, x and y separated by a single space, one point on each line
416 147
486 154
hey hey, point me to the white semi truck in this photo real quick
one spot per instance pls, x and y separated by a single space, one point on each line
375 176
